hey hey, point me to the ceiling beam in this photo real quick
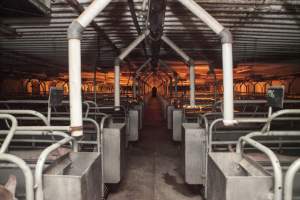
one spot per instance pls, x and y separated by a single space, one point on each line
136 24
79 9
8 31
16 55
156 26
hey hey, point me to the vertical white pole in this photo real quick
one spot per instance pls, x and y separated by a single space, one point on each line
226 36
176 86
228 82
134 88
117 85
75 86
192 85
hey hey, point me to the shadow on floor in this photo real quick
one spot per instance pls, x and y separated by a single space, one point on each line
153 162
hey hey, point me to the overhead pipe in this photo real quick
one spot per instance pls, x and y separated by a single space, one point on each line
137 74
179 51
117 86
162 63
144 5
226 38
136 23
134 88
192 85
74 36
118 61
171 86
148 76
164 81
189 62
142 67
147 87
176 86
174 76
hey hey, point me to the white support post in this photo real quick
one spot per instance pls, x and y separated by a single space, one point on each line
227 56
192 85
117 86
74 36
120 58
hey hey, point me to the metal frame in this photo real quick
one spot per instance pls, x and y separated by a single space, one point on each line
26 171
275 164
11 132
39 194
289 180
120 58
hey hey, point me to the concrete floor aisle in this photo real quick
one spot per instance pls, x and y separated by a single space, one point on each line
153 164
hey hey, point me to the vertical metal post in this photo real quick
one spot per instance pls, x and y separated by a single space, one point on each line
171 87
192 85
176 86
117 86
134 87
95 83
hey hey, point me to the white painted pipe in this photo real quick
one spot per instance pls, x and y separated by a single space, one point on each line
117 85
192 85
175 76
138 87
133 45
189 61
120 58
171 86
137 73
227 56
92 11
134 87
144 5
228 84
203 15
162 63
74 36
142 67
75 85
169 42
176 86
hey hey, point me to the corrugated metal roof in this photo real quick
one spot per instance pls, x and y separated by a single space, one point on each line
263 30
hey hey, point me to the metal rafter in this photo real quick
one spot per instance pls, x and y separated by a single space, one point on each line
136 24
79 8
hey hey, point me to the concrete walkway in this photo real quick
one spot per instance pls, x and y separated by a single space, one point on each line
153 164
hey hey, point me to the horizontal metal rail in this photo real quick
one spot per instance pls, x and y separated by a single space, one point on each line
94 122
10 133
277 114
26 112
239 120
248 120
